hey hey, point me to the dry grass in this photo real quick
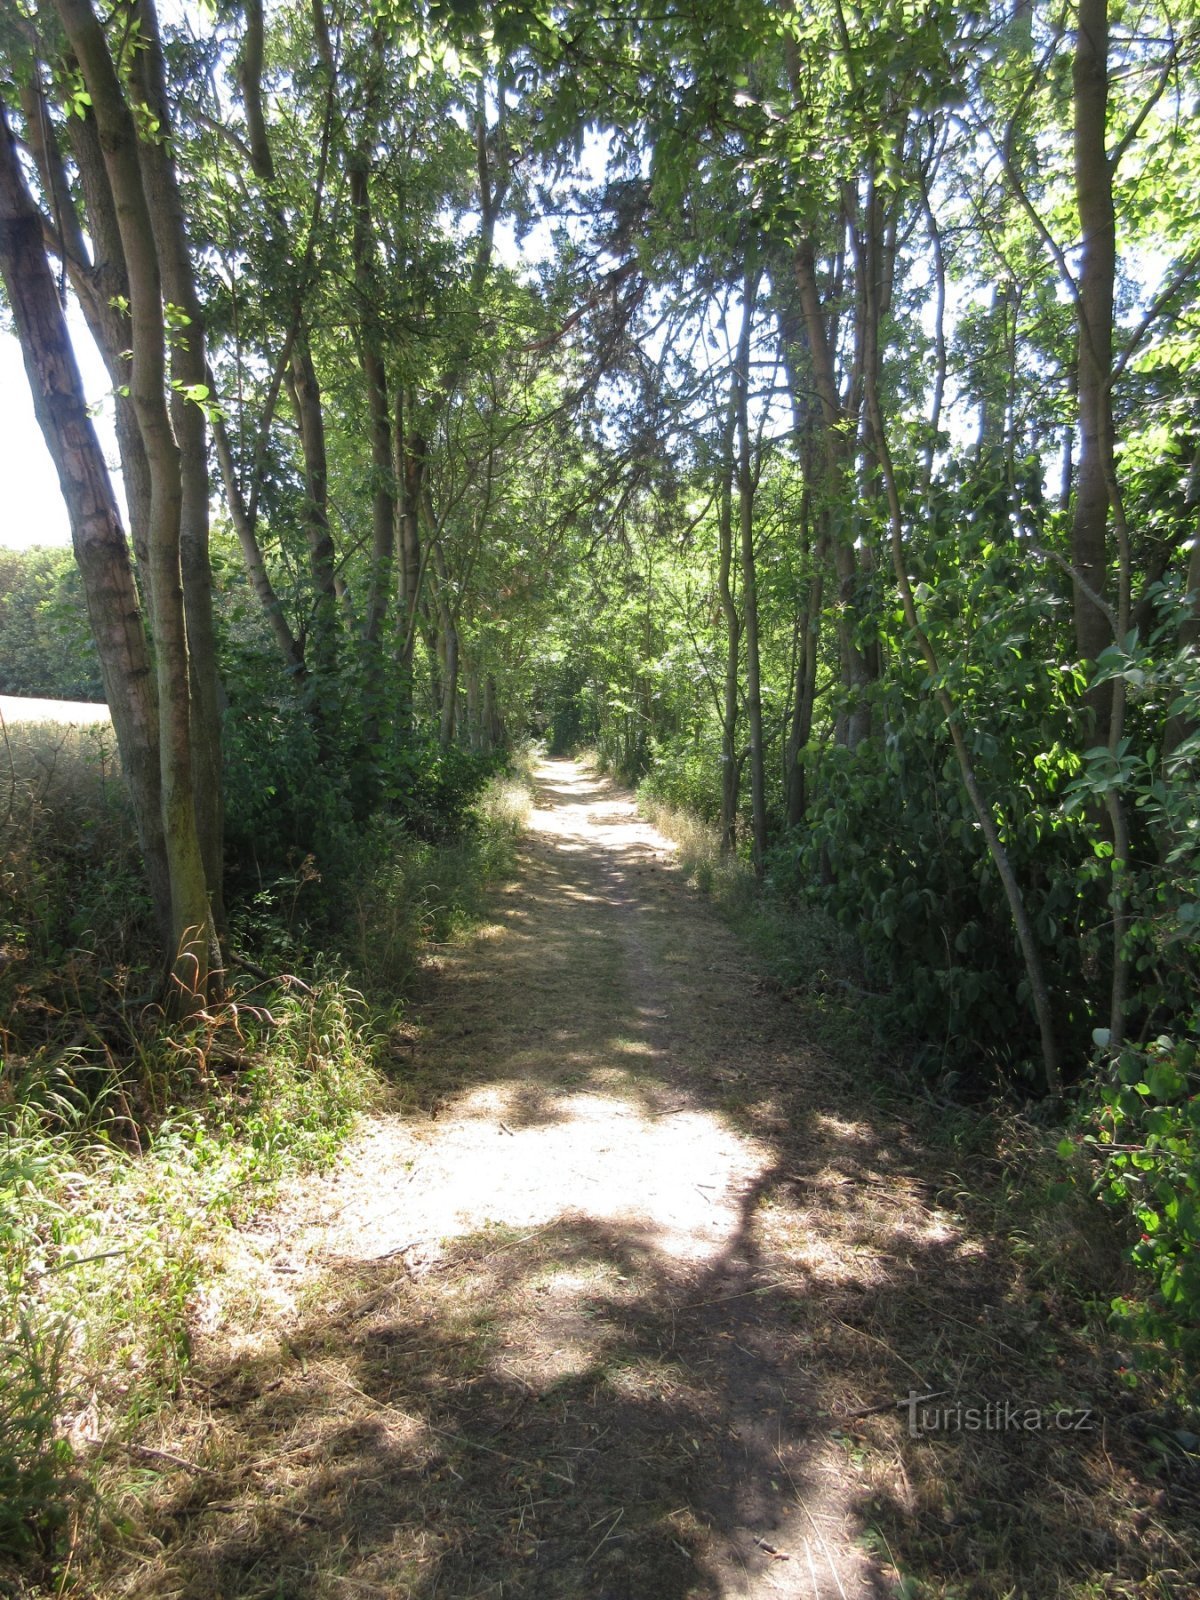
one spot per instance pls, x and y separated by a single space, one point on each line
697 847
74 916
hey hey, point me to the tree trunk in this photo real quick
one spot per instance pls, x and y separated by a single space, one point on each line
448 646
252 556
409 455
306 401
476 733
103 292
838 426
493 721
805 702
745 483
730 767
189 372
1097 277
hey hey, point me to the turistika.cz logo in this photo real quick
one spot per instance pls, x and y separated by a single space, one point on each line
990 1416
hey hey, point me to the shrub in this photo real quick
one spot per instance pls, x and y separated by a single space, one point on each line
1146 1129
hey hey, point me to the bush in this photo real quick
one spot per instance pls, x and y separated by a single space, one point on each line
1146 1128
895 855
685 775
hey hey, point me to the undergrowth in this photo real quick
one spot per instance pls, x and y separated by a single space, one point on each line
116 1191
131 1146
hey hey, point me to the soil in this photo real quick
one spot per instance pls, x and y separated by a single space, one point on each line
616 1302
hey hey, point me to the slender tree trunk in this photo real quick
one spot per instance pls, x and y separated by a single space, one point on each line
103 292
730 767
409 456
252 556
306 401
1097 277
475 733
1179 727
745 484
189 372
448 649
250 82
838 425
383 514
937 256
805 701
1099 490
492 720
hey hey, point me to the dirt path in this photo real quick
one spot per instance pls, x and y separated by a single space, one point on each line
601 1313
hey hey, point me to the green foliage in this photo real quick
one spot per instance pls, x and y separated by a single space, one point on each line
46 648
1156 770
564 709
407 891
683 774
432 788
1147 1131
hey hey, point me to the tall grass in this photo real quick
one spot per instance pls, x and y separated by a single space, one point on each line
414 892
74 915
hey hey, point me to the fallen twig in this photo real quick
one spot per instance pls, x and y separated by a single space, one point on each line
168 1456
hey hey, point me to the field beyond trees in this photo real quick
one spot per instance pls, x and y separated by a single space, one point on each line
793 409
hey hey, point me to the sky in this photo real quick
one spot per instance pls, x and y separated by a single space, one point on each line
31 504
31 508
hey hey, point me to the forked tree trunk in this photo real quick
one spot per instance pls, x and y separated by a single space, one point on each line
195 957
96 531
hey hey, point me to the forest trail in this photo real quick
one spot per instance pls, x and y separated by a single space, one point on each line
587 1315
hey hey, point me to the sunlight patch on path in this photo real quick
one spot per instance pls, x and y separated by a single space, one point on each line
677 1179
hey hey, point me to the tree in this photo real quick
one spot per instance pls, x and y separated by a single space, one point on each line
169 742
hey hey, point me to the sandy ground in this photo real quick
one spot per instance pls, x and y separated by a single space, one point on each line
616 1304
